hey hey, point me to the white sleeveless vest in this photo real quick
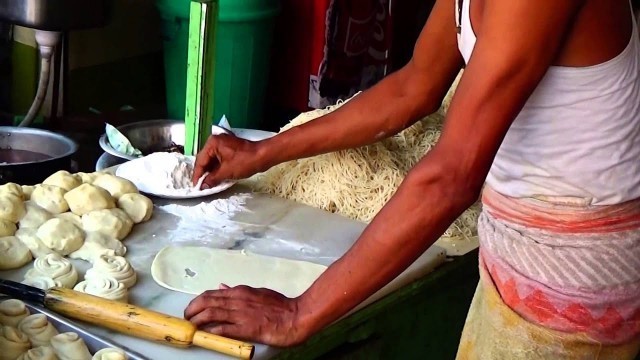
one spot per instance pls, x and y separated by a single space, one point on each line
578 136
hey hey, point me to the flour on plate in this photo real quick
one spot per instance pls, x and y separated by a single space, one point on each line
164 173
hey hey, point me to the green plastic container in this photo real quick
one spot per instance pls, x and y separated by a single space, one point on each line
243 46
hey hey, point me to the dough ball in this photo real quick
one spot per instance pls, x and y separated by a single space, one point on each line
12 312
87 178
113 223
87 198
72 218
38 329
39 353
29 237
116 267
13 343
64 180
55 267
42 282
12 189
7 228
27 190
110 354
105 287
137 206
34 216
13 253
11 208
70 346
61 236
115 185
50 198
96 245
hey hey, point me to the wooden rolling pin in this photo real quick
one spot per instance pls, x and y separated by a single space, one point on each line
127 319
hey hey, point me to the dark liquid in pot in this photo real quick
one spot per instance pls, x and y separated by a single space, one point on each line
10 156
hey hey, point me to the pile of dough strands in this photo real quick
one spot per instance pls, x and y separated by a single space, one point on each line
357 183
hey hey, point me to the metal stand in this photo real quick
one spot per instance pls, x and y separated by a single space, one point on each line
59 83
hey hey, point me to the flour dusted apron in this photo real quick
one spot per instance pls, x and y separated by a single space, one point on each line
559 280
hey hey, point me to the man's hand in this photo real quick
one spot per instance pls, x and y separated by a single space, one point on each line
225 157
245 313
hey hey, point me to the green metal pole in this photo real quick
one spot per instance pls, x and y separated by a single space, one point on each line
200 74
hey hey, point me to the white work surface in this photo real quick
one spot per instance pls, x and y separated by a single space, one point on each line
268 225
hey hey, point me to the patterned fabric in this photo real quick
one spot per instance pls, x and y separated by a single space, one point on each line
493 331
566 267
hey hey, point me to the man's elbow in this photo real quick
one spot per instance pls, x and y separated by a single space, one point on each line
450 184
415 86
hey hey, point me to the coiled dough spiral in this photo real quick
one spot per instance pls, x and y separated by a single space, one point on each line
113 266
42 282
39 353
70 346
105 287
110 354
12 312
38 329
13 343
57 268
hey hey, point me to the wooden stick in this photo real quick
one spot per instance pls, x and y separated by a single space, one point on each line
142 323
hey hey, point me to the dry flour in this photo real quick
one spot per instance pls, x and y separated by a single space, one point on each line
209 222
163 173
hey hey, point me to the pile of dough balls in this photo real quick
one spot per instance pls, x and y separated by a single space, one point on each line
82 216
24 336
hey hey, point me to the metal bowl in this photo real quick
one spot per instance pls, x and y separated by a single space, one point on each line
153 134
28 155
57 15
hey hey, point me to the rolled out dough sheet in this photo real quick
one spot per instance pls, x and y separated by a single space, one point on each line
195 269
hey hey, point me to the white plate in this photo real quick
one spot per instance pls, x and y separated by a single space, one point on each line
252 134
131 171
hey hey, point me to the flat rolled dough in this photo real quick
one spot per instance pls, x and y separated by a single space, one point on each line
194 270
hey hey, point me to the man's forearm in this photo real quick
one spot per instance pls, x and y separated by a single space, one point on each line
378 113
422 209
394 103
381 112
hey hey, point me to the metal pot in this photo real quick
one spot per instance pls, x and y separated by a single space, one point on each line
28 156
152 135
57 15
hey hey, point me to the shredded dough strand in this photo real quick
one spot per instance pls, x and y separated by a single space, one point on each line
356 183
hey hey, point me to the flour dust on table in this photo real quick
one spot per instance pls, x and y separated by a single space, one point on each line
166 175
209 222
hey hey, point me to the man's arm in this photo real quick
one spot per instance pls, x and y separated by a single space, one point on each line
517 42
396 102
387 108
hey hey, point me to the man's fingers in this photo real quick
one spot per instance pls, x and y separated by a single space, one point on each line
211 180
199 304
200 168
206 159
232 331
225 299
213 315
